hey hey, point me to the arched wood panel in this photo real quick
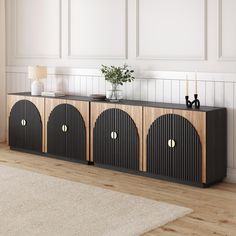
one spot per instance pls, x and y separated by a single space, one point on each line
116 140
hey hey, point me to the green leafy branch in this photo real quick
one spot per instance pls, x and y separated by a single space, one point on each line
117 75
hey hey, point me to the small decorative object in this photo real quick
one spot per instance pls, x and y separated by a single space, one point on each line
116 76
195 102
37 73
52 94
98 97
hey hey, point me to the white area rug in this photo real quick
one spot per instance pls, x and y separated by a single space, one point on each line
35 204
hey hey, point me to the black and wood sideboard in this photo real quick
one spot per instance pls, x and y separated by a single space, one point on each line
166 141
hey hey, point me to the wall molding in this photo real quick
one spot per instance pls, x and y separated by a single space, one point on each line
220 35
17 55
171 58
109 57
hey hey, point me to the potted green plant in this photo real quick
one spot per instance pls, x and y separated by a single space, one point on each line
117 76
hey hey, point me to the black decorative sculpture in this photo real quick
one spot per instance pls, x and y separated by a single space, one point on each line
195 102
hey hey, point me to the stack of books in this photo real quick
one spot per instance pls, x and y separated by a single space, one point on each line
52 94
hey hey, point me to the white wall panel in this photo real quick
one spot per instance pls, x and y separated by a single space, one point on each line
37 28
159 90
170 29
227 32
98 29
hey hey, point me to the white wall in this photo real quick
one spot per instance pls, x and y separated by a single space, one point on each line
177 35
2 72
74 37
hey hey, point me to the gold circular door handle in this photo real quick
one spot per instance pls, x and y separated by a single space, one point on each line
64 128
23 122
114 135
171 143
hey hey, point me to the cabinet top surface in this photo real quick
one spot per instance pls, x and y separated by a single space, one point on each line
125 102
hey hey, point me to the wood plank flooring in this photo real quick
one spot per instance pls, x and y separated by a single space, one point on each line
214 208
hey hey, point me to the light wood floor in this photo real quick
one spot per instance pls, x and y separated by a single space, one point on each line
214 208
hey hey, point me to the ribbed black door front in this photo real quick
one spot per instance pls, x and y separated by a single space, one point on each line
75 135
66 135
25 127
127 143
115 140
33 129
187 151
103 144
17 122
56 137
174 149
159 155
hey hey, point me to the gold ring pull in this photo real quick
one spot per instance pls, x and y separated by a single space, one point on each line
64 128
114 135
23 122
171 143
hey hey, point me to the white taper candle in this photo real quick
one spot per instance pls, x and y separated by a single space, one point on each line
186 85
195 82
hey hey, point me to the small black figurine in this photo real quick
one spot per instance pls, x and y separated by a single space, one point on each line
195 102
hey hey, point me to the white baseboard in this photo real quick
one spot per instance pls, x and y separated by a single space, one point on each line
231 176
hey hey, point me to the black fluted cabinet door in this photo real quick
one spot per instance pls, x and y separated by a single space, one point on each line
127 143
33 129
187 151
76 134
159 154
103 145
56 138
25 127
116 140
174 149
16 129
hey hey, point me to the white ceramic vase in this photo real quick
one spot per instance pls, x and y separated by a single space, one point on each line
37 88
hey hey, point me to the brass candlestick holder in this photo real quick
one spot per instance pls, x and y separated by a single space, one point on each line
195 102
